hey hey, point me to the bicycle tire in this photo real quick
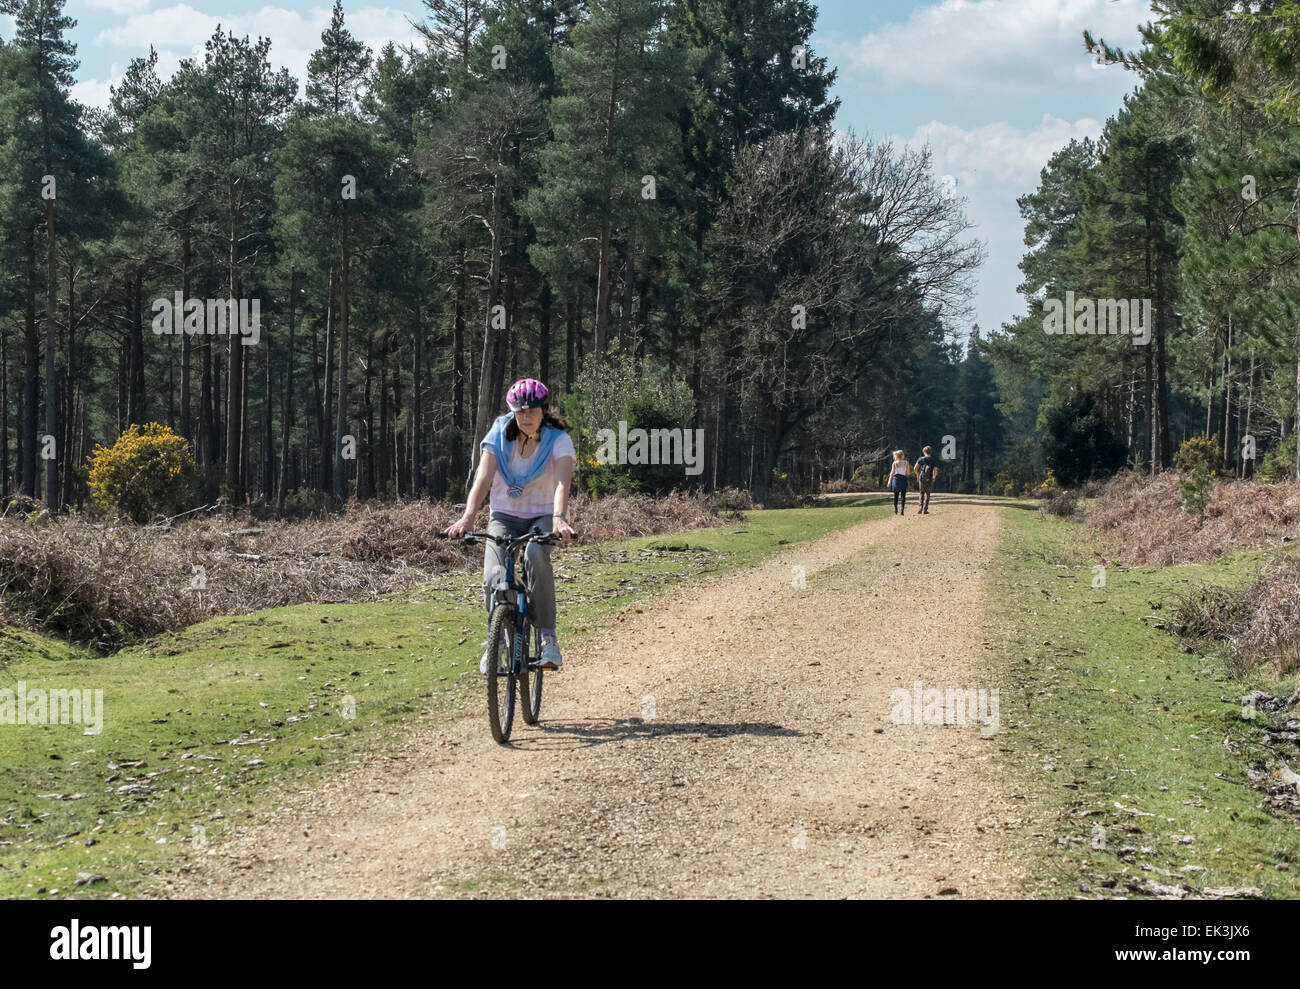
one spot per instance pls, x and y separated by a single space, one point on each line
530 681
501 704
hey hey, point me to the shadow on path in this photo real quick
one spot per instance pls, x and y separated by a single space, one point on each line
598 731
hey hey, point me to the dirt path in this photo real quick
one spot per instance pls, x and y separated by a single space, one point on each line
766 763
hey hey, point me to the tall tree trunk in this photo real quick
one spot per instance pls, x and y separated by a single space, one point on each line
416 455
385 469
1248 469
572 329
327 449
366 478
1162 318
602 291
51 352
544 339
465 349
187 423
234 392
245 429
70 390
398 442
31 375
4 418
1297 404
1227 397
625 342
1149 403
1297 364
286 402
493 362
135 405
268 440
341 413
207 432
642 317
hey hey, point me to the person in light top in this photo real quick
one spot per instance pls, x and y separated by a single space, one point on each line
525 466
898 482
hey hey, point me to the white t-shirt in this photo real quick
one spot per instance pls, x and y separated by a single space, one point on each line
539 493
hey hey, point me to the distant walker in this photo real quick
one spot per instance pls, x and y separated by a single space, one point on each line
927 471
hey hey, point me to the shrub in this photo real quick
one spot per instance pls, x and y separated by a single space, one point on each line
1197 458
1196 490
1261 620
1003 484
780 492
1094 489
645 397
1198 451
1061 502
1210 612
1279 464
730 500
148 471
837 486
864 478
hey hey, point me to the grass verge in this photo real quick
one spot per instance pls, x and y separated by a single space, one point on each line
1134 744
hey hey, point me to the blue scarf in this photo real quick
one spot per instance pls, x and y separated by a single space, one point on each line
496 439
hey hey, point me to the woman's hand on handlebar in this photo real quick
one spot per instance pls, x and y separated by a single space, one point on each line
562 529
459 527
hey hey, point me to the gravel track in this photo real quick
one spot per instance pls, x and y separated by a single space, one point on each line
732 740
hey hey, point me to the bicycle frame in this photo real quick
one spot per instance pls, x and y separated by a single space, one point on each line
515 595
512 590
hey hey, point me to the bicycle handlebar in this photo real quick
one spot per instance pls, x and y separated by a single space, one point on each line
544 538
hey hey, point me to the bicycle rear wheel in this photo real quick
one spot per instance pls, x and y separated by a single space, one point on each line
500 677
530 680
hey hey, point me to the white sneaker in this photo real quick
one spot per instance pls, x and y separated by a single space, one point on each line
550 654
482 663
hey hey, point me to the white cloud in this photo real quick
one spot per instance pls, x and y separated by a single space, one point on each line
999 156
120 6
1004 43
92 92
178 28
994 164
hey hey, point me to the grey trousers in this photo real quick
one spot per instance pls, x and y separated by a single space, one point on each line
541 579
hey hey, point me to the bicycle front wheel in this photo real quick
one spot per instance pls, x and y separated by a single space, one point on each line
500 675
530 680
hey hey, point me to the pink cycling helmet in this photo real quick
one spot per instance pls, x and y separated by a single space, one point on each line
526 393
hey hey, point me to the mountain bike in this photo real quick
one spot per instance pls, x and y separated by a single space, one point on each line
514 642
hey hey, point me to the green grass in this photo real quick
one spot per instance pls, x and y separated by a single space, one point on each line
282 681
1123 715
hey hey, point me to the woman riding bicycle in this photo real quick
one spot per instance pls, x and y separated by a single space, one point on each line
527 461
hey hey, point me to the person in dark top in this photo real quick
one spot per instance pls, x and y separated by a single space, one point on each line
927 469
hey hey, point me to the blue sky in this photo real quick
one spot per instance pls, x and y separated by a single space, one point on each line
993 86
